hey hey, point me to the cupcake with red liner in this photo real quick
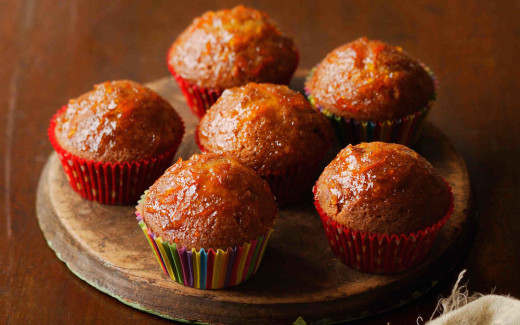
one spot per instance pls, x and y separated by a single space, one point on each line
271 129
372 91
229 48
208 220
115 140
382 206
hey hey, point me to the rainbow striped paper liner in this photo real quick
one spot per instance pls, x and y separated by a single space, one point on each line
405 130
290 184
110 183
379 253
207 270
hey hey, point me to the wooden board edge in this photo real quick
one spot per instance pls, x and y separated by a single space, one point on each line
59 235
56 235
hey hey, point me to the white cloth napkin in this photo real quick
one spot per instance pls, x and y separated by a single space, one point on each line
487 310
461 309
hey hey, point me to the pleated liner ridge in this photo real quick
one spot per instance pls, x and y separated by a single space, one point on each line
207 269
107 182
380 253
405 130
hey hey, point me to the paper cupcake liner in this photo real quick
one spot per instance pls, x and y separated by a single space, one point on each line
404 130
207 269
110 183
379 253
290 184
199 99
293 183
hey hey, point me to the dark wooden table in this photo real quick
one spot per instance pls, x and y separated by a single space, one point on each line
51 51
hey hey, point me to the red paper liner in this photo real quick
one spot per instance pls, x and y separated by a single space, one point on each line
110 183
199 99
380 253
290 184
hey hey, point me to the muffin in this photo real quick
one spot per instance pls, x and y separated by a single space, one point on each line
271 129
372 91
115 140
382 206
229 48
208 220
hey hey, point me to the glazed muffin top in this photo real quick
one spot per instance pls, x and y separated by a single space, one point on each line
209 201
382 188
266 127
118 121
232 47
370 80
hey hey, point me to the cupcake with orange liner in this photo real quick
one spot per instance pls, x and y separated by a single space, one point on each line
115 140
229 48
271 129
208 220
372 91
382 206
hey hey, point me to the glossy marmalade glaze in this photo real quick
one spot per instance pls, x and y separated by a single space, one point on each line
382 188
209 201
266 127
118 121
231 47
370 80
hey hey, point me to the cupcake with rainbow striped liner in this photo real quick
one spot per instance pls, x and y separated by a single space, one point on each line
208 220
371 91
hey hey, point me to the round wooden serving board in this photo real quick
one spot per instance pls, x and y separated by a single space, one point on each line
299 275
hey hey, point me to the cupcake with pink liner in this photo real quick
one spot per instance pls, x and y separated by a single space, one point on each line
115 140
372 91
271 129
229 48
382 206
207 220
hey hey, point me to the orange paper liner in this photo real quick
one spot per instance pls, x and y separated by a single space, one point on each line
379 253
110 183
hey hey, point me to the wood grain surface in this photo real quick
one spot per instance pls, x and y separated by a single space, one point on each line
54 50
104 246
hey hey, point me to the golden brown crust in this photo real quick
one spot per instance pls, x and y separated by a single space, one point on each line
266 127
382 188
370 80
209 201
118 121
232 47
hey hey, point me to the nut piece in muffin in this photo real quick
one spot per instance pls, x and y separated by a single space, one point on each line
231 47
271 129
382 188
369 80
118 121
210 202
